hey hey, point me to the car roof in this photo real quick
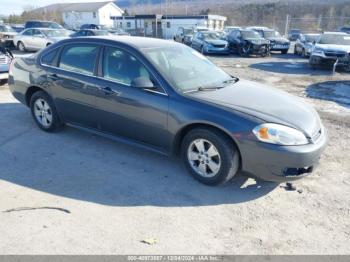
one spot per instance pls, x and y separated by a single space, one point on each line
334 33
136 42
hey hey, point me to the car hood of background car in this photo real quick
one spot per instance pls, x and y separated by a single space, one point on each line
216 42
56 39
344 48
8 33
266 103
279 40
257 41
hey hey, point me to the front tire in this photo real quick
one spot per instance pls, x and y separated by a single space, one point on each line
44 112
21 47
284 51
210 156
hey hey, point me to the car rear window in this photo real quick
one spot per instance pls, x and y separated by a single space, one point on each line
79 58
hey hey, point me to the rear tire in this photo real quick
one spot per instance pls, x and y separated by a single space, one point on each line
210 156
44 112
284 52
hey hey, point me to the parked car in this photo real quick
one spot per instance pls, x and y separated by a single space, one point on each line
118 31
94 27
6 35
331 48
34 39
17 27
166 97
209 42
229 29
345 29
247 42
90 32
277 42
5 60
201 29
184 35
303 46
42 24
294 34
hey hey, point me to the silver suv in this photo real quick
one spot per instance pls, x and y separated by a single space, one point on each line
332 48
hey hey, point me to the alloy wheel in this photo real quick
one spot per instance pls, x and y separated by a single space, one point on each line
43 112
204 158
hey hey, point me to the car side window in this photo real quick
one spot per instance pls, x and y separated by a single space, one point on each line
49 58
79 58
121 66
28 32
36 32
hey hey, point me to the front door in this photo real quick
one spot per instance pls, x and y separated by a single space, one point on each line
131 112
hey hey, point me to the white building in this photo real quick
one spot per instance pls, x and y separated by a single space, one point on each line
167 25
100 13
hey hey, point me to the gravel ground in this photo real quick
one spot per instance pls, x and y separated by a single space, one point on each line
76 193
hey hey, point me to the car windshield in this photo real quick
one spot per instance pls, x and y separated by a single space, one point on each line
335 39
211 36
271 34
250 34
185 68
311 38
56 33
5 28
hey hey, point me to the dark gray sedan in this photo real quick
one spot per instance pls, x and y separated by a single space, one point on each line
167 97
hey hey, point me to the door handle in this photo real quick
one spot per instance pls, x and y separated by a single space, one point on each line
109 91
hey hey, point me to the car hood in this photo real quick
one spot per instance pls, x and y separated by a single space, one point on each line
257 41
278 39
8 33
216 42
344 48
269 104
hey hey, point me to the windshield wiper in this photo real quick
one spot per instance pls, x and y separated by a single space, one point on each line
209 88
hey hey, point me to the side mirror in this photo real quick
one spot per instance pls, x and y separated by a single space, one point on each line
143 83
314 42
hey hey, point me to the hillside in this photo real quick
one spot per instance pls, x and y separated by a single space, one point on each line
309 15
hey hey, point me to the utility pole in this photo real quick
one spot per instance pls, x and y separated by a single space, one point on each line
287 26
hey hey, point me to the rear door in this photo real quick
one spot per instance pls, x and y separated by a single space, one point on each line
74 84
131 112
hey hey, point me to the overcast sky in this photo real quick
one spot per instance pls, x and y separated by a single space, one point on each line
8 7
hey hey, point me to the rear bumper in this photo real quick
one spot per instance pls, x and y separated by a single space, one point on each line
281 163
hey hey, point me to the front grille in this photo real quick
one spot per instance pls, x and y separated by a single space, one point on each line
334 54
219 46
3 60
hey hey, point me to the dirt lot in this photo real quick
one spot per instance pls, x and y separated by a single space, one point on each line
84 194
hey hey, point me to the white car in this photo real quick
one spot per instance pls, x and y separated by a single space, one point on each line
332 48
33 39
5 60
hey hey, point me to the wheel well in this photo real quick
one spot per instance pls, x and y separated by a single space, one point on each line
182 133
31 90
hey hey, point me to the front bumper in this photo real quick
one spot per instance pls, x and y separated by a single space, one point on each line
281 163
279 47
329 60
218 50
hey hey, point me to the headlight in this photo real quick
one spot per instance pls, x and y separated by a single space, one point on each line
318 50
280 135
